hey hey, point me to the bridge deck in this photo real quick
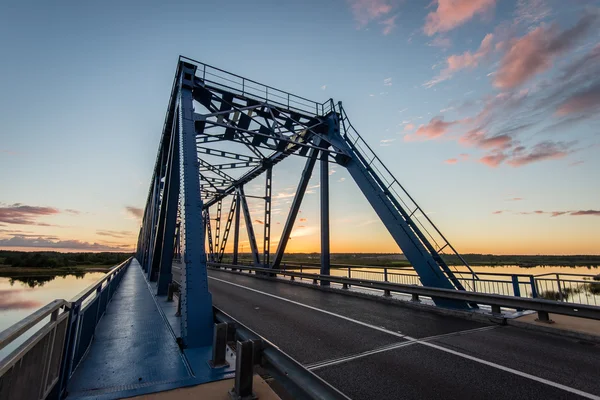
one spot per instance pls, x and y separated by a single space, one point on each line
133 347
371 350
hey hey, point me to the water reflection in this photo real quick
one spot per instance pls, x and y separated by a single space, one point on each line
13 299
35 280
22 295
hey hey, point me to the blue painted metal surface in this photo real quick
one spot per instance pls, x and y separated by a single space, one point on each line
196 301
133 349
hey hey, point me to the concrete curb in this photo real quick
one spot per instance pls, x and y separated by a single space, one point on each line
474 316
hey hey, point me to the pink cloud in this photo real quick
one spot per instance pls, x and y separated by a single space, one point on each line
452 13
498 212
451 161
388 25
20 214
586 212
493 160
535 52
435 128
456 62
366 11
468 59
546 150
582 101
409 127
478 138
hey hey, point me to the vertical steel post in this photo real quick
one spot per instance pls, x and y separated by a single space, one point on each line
218 226
196 300
267 221
325 256
236 237
534 293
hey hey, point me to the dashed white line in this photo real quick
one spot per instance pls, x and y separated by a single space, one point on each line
424 343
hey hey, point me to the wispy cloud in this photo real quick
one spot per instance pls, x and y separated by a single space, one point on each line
466 60
20 214
387 82
536 51
450 14
135 212
115 234
388 25
21 241
323 87
576 213
451 161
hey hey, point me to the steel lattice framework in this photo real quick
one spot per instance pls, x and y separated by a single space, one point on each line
222 132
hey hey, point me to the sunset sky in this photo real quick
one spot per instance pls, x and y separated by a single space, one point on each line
487 111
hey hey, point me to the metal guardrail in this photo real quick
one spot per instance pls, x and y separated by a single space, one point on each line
42 365
565 287
298 381
32 370
541 306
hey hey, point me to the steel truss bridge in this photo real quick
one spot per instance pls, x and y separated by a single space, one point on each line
125 336
222 132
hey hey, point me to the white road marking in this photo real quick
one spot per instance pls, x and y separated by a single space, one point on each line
327 363
424 343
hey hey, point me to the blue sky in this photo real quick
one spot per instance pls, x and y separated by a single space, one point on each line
487 111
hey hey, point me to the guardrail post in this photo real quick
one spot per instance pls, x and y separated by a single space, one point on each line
496 309
385 275
243 372
560 292
516 288
534 293
543 316
387 293
415 298
315 281
219 346
170 290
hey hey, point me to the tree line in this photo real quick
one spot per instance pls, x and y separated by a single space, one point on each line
55 259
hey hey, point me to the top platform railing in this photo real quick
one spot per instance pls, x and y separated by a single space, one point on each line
221 79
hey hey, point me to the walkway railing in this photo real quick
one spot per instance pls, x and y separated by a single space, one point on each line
53 340
222 79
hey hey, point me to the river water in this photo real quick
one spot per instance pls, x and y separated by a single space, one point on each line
20 297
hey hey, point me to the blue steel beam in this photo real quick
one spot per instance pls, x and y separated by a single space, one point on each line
171 204
249 227
430 273
196 300
267 221
324 189
289 224
236 232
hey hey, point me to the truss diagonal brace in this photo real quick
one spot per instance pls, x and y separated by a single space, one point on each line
302 185
249 227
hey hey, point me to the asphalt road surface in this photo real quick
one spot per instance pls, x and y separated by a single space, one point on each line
372 350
